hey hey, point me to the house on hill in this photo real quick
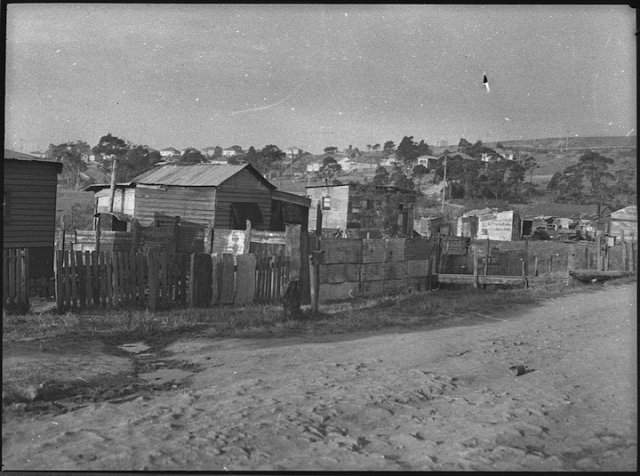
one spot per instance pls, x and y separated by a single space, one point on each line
29 209
205 197
428 161
169 152
490 224
352 207
209 151
293 153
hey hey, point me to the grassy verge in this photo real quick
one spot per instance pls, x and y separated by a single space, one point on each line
428 308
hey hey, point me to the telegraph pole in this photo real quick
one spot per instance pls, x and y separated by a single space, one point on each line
112 189
444 187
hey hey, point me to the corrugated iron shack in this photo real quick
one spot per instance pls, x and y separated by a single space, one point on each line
624 221
205 197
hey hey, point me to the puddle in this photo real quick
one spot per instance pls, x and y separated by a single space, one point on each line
134 348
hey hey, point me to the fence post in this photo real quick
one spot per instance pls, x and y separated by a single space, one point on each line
81 273
25 277
624 251
571 258
313 278
486 258
475 268
64 232
98 231
247 238
176 232
164 280
586 256
67 279
192 278
526 256
153 282
5 275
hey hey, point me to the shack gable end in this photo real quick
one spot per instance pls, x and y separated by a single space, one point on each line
246 179
243 188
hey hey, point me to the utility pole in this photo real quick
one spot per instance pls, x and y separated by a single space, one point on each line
444 187
112 190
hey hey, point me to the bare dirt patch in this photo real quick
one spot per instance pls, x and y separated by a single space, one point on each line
445 398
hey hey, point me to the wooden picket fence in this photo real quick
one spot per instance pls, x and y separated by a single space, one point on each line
156 281
15 279
87 279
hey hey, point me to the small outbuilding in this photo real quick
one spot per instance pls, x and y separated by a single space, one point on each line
29 209
624 222
355 206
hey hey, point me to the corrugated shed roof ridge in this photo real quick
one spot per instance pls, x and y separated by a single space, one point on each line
197 175
12 154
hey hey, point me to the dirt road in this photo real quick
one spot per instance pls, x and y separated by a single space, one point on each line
443 399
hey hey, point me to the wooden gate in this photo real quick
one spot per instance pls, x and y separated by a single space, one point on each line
272 276
200 280
15 279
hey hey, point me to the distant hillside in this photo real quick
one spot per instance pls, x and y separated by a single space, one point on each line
555 143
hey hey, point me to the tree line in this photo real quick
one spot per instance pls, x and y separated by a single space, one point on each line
133 160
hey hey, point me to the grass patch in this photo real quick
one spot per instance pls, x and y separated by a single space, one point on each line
420 309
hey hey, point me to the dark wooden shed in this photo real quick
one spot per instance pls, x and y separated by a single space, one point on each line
29 208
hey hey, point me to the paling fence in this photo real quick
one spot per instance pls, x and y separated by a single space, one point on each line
157 281
15 279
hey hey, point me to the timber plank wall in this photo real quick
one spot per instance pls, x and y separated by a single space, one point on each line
30 210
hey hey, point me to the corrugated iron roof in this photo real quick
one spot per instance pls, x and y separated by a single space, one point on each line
96 187
197 175
627 213
11 154
291 198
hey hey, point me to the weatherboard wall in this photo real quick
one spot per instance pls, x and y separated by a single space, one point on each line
192 204
29 213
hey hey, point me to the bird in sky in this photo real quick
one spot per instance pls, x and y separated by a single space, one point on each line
485 82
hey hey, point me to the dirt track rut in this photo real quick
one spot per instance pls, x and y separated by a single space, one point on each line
442 399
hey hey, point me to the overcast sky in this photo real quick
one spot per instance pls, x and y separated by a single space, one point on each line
315 75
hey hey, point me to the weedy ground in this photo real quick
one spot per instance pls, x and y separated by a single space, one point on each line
424 308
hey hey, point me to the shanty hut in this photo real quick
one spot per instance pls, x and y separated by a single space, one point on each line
205 197
354 206
624 222
29 209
